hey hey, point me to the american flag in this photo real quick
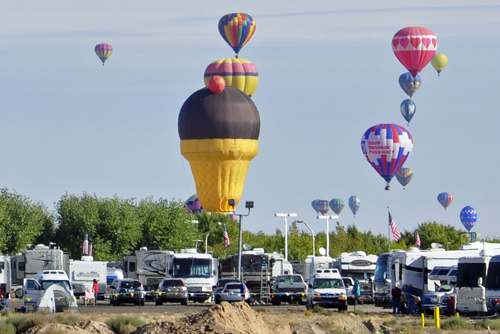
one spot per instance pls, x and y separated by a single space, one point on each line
417 241
395 232
227 242
85 246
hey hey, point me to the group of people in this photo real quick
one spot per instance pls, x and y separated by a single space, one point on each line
413 299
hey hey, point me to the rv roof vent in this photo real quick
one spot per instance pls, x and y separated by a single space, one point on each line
87 258
259 250
41 246
189 250
358 253
143 249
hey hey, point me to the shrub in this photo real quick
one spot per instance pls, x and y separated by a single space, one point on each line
309 313
391 322
358 312
6 328
487 324
456 323
318 309
67 320
119 325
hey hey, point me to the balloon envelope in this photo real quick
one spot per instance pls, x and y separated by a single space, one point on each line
236 29
414 47
193 203
468 217
439 62
321 206
103 51
409 84
354 204
386 147
408 109
337 205
404 176
238 73
445 199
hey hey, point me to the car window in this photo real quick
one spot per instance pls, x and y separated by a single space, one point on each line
236 286
172 283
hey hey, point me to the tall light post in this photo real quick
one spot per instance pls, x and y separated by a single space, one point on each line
248 205
206 238
328 231
286 229
314 244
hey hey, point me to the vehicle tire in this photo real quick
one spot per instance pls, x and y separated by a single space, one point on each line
110 301
184 302
157 301
142 302
276 302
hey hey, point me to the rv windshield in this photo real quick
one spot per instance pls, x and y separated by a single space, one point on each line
192 268
47 283
328 283
493 278
468 273
380 269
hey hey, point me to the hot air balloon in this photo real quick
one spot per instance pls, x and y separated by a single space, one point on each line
468 217
414 47
408 109
321 206
337 205
238 73
386 147
236 29
354 204
404 176
439 62
409 84
103 51
219 137
193 204
445 199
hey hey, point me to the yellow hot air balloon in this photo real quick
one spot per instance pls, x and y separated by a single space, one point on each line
219 128
238 73
439 62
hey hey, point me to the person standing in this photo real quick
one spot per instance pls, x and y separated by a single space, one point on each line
356 291
95 289
396 300
412 295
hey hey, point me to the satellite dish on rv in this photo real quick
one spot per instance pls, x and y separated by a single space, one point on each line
247 247
436 245
322 251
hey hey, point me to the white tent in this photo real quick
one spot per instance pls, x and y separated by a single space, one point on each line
55 299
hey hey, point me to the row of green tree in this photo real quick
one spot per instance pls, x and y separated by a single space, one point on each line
120 226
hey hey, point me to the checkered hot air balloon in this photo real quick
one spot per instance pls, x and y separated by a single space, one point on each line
468 217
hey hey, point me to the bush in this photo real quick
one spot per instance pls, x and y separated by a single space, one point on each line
119 325
6 328
456 323
24 322
67 320
319 309
487 324
358 312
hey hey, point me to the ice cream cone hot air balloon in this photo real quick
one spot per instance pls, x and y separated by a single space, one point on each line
238 73
219 134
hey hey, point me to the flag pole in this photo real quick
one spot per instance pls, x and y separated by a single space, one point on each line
389 228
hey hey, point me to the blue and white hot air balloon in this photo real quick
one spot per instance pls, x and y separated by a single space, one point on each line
468 217
408 109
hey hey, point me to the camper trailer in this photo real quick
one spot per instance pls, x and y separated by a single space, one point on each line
82 274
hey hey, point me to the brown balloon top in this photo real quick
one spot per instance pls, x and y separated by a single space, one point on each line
228 114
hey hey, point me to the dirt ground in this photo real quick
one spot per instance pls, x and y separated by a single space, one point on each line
240 318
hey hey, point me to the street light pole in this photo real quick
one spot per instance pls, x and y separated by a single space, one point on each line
206 238
314 244
328 231
286 229
248 205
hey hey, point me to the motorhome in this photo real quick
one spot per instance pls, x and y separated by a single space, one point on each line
381 282
5 276
82 274
258 268
312 263
49 291
198 271
148 265
492 285
34 259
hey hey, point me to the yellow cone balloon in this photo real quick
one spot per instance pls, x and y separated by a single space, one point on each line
238 73
439 62
219 133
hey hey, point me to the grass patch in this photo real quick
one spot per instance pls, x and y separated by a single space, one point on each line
390 322
6 328
309 313
358 312
319 309
66 320
456 323
487 324
120 324
23 323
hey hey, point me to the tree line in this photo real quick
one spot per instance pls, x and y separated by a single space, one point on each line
118 227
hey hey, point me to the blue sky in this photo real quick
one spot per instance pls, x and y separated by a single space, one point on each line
327 73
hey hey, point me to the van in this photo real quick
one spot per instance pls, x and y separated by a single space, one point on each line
50 290
327 289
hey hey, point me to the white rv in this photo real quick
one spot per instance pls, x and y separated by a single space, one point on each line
82 274
199 272
5 276
50 291
149 266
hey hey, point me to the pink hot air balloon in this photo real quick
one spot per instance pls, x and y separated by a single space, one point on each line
414 47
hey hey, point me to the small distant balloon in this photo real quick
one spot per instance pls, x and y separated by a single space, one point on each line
468 217
439 62
408 109
193 204
337 205
445 199
321 206
409 84
103 51
404 176
236 29
354 204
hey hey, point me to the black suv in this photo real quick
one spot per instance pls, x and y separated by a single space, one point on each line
171 290
128 290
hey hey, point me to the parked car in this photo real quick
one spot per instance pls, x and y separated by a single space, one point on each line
171 290
128 290
221 283
235 292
